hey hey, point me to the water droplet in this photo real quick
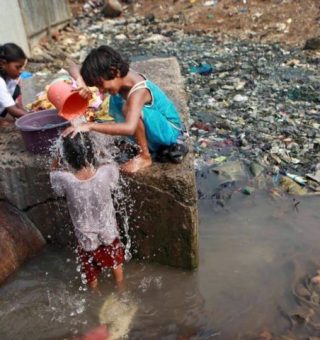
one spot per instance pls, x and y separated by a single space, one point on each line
80 309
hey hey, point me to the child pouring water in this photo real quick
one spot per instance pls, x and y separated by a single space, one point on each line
139 107
88 193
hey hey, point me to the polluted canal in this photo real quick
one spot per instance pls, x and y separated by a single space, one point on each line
255 253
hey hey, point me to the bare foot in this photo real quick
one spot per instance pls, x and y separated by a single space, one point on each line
119 278
137 163
4 123
316 279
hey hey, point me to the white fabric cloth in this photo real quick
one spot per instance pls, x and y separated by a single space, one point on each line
90 204
6 91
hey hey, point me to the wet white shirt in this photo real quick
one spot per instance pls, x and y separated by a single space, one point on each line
90 204
6 91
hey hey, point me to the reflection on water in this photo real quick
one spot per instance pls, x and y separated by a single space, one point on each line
252 251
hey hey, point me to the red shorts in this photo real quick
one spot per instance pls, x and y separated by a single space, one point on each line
103 257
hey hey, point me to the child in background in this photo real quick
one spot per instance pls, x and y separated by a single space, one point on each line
12 63
139 107
88 193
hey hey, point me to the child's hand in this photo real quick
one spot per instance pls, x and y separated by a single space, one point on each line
73 130
83 89
84 92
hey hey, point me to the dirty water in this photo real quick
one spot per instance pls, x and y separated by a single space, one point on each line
253 250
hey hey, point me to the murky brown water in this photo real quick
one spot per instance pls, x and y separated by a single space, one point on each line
252 250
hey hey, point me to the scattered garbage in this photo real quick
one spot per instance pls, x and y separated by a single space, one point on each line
240 98
291 187
203 69
312 44
296 178
304 94
248 190
315 178
112 8
256 169
210 3
25 75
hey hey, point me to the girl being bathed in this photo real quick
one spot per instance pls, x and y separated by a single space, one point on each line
88 193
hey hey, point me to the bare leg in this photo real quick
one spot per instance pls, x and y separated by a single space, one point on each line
143 160
94 284
118 276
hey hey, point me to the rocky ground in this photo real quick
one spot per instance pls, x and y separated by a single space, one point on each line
252 97
289 22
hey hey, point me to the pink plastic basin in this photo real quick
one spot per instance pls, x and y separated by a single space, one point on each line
40 129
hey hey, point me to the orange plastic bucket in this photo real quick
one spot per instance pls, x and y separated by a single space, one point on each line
68 102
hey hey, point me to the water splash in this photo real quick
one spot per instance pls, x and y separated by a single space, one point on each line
105 151
148 281
73 305
123 204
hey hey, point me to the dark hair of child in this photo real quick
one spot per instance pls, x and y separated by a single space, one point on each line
103 62
78 151
11 52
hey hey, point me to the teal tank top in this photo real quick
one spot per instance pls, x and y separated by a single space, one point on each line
161 118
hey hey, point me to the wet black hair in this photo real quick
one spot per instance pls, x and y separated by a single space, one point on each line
78 151
11 52
103 62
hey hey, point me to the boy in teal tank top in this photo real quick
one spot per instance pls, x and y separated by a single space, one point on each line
140 108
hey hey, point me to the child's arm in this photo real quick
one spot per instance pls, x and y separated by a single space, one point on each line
16 111
8 102
74 72
132 111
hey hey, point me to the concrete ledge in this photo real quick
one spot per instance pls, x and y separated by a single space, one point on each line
164 220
